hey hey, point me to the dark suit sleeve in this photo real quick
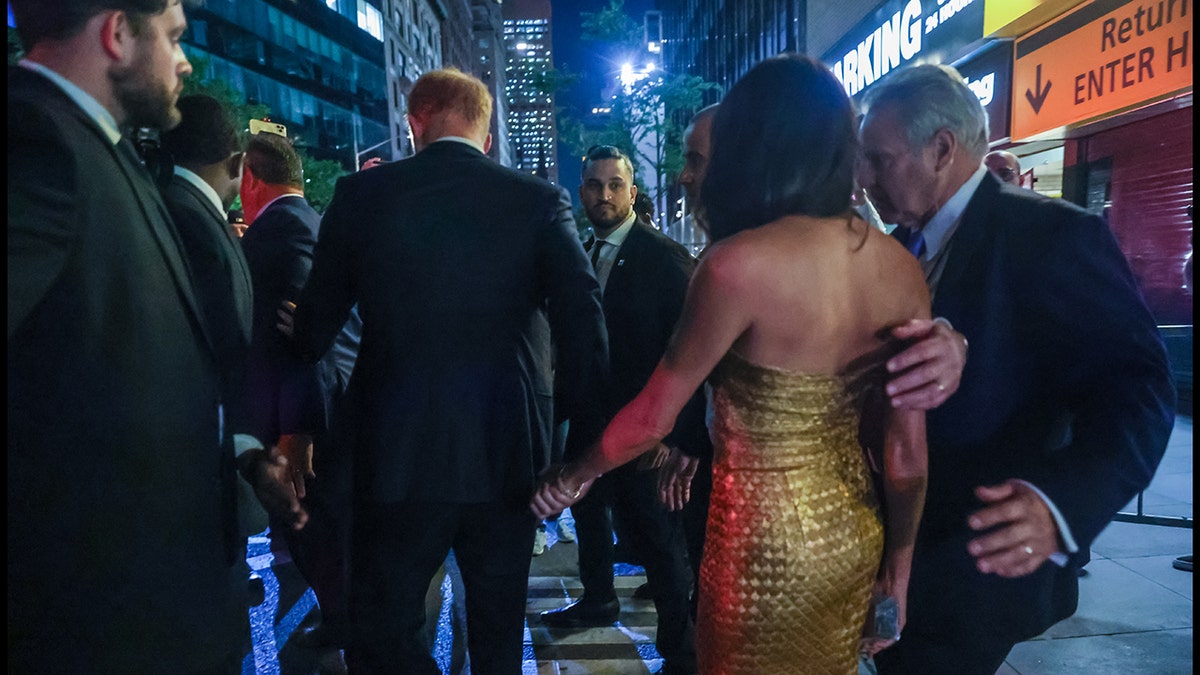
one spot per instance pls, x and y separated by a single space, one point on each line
576 320
689 433
42 198
324 304
1101 345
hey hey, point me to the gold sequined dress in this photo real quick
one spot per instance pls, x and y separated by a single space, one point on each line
794 537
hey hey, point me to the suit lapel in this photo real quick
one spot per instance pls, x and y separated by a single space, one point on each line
967 240
236 260
627 256
160 227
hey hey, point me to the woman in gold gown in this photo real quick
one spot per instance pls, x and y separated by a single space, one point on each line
786 318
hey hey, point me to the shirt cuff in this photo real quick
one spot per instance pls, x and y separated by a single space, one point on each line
243 443
1064 531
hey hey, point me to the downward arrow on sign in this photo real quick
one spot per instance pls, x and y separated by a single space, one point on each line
1037 97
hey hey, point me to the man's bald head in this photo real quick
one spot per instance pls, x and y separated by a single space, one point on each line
1005 166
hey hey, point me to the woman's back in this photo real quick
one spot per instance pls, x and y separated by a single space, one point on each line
794 537
818 293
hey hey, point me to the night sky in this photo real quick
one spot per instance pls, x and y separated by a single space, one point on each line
590 61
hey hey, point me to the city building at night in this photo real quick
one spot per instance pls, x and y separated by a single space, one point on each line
489 63
413 42
720 40
531 121
318 65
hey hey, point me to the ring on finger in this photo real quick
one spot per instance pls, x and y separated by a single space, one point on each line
941 387
1028 550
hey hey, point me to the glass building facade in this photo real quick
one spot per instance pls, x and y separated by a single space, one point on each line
316 64
531 122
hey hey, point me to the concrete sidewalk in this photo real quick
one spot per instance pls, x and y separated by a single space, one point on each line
1134 616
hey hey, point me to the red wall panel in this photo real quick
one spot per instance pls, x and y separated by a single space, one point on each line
1151 191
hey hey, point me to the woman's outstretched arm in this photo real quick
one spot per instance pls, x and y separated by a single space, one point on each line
714 316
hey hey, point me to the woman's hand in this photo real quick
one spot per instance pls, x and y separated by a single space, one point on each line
893 583
556 491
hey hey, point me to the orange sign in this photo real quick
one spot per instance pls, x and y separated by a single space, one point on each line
1103 56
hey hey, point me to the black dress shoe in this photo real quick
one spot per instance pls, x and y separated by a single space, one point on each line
256 592
643 592
582 614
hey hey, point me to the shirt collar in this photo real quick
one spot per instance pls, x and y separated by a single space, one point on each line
201 185
282 196
938 229
617 236
99 114
461 139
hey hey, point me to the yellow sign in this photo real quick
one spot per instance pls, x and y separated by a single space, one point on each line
1009 18
1104 56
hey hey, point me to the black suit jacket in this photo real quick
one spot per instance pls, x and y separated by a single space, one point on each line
117 482
1066 386
283 394
223 289
451 259
642 301
223 283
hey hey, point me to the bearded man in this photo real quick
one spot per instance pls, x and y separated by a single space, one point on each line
121 498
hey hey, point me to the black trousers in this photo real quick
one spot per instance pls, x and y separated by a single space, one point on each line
396 551
657 537
321 549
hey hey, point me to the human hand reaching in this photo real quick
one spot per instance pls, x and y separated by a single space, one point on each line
554 493
298 450
925 374
675 479
269 473
1025 533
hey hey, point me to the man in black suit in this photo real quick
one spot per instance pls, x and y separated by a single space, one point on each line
451 259
206 155
287 399
284 400
1065 405
644 277
120 483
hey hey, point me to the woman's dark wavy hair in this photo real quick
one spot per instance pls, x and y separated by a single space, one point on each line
783 143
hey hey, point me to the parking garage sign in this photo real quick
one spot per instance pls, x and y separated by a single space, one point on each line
1105 56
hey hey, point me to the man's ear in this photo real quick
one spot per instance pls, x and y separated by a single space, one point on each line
418 127
116 35
487 144
944 146
632 192
234 164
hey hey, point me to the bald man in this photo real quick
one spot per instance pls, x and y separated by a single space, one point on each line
1005 166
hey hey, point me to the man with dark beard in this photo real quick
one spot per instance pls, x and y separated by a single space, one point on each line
643 277
121 516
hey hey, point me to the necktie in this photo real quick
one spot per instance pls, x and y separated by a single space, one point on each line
596 252
916 243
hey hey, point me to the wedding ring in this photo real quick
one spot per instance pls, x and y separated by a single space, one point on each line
1028 550
941 387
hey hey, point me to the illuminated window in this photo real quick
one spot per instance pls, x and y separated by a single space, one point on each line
370 20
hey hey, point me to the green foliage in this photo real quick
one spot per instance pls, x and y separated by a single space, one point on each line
551 81
613 26
647 120
203 82
320 177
